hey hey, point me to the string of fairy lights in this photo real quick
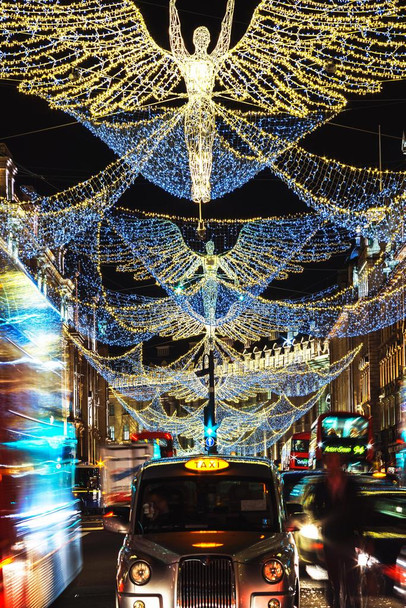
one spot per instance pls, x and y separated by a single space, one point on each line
97 61
260 427
168 116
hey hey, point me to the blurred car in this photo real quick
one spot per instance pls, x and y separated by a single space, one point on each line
296 486
400 578
378 479
207 531
383 530
293 484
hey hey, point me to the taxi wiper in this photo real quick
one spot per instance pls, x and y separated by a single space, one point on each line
141 527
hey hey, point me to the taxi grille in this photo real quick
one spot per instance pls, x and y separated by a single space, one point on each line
206 582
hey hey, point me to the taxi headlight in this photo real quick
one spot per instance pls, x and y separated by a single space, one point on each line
273 571
310 531
366 561
140 572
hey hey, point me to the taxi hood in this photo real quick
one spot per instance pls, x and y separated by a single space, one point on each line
169 547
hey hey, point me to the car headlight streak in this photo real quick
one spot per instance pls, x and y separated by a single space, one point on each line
310 531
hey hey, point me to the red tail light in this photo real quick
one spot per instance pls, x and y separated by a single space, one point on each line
4 562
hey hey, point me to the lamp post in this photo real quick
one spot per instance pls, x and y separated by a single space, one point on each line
210 426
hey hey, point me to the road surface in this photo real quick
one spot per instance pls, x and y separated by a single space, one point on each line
94 587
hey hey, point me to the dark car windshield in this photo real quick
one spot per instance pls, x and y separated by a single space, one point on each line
87 477
294 483
205 503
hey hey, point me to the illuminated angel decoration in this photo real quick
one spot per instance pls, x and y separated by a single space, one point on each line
236 379
294 67
241 428
199 73
213 287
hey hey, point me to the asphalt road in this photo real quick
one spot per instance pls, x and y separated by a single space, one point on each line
94 587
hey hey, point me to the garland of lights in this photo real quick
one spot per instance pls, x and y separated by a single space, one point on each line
370 201
366 201
96 60
363 200
241 429
239 315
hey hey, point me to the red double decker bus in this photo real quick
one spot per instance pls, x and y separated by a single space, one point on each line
40 534
295 452
162 442
345 433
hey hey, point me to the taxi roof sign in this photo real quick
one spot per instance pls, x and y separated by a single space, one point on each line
206 464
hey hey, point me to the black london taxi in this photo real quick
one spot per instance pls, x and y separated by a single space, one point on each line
207 532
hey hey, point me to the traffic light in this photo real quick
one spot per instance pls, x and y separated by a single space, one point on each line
210 431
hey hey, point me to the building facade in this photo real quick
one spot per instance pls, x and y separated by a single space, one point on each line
375 383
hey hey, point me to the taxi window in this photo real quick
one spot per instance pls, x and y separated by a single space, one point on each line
207 504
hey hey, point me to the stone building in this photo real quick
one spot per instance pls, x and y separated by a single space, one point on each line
374 384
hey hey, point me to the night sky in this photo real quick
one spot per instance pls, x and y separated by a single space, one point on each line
55 158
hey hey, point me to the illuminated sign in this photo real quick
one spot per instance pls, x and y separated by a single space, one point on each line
209 442
204 465
340 449
302 462
357 450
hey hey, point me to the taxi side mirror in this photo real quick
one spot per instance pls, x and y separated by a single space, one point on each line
117 520
293 508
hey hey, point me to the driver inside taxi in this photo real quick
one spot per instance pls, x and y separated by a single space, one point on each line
157 507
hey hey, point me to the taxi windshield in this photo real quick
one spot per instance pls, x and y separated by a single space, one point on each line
206 504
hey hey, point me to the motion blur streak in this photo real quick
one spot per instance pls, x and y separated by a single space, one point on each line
40 550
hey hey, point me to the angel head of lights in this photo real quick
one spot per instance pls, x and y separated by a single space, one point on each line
201 40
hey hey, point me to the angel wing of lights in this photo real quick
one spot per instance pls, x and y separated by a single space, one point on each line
292 380
313 53
366 200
